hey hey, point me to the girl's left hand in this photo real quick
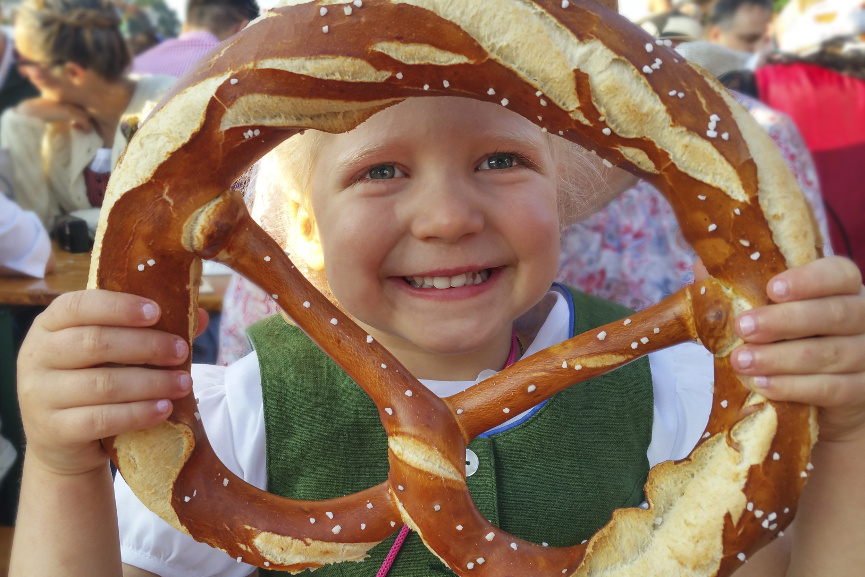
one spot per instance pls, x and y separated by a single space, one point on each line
809 346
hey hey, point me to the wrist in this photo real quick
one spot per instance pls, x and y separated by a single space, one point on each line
55 468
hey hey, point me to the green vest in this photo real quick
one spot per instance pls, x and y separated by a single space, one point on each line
554 478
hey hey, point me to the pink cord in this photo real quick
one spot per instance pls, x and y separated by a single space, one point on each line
388 561
515 343
403 533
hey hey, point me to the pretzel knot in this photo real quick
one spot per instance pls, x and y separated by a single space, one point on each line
577 70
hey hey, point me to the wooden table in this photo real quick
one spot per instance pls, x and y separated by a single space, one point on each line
71 275
5 549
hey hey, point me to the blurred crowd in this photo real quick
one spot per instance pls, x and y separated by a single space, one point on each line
77 77
804 60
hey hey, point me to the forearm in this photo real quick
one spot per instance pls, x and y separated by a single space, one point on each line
67 525
827 535
830 525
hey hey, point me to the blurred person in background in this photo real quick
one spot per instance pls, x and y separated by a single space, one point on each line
818 79
65 143
140 33
741 25
208 22
675 26
13 86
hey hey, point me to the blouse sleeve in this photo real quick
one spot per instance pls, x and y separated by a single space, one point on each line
24 244
229 400
682 378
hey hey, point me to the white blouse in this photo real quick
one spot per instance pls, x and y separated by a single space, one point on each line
230 404
24 244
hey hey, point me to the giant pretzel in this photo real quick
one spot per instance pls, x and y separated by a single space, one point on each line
574 68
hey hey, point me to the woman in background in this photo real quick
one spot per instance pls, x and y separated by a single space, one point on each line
65 142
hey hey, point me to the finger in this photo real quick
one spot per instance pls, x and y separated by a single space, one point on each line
822 277
86 424
114 385
828 391
700 271
817 355
99 307
203 321
839 315
90 346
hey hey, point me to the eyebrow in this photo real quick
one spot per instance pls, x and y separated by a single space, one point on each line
357 154
503 139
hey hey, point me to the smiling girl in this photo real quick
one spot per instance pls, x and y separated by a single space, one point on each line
435 226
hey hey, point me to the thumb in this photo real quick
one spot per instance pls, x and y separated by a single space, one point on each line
203 321
700 272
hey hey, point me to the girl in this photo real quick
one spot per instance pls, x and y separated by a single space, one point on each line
65 142
435 224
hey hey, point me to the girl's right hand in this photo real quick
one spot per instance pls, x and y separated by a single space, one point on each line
49 110
70 392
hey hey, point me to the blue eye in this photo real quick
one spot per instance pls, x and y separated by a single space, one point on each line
382 172
497 162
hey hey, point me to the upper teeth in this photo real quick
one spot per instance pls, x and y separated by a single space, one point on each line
443 282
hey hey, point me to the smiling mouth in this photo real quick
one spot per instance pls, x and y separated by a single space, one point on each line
445 282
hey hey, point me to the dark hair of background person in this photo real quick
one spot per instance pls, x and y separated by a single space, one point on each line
831 56
742 81
723 11
86 32
219 16
139 31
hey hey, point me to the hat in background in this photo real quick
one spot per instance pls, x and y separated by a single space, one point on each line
804 25
717 60
673 26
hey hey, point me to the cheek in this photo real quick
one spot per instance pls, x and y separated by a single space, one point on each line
535 224
353 255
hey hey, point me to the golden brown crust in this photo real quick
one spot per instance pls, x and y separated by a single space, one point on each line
576 69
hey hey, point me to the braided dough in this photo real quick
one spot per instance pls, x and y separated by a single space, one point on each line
578 70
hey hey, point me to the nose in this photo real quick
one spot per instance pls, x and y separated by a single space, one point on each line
446 208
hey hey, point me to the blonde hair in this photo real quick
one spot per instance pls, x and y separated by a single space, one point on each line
280 200
86 32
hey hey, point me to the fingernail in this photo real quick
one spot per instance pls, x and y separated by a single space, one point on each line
163 406
761 382
149 311
780 288
747 325
745 359
184 382
180 348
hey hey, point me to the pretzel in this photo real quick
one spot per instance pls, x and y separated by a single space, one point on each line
576 69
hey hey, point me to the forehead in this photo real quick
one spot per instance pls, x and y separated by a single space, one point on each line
751 17
458 120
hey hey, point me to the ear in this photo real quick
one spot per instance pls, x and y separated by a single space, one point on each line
75 72
309 245
714 35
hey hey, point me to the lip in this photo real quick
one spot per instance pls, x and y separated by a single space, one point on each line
453 293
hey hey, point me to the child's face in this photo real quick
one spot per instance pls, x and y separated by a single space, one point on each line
447 188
